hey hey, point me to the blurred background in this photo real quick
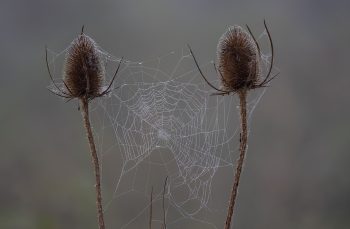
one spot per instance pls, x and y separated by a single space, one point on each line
297 169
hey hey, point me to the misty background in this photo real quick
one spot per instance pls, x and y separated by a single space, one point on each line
296 172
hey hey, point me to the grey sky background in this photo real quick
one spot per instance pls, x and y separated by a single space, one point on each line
296 173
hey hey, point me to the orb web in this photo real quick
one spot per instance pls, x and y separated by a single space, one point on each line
167 124
159 122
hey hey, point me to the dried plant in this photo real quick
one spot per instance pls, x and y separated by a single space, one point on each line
239 68
163 203
150 210
83 79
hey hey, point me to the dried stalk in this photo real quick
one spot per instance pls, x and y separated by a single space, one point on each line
242 150
151 210
163 203
85 113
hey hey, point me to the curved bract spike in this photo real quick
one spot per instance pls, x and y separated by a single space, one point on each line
50 75
115 74
256 42
82 30
58 94
201 73
272 57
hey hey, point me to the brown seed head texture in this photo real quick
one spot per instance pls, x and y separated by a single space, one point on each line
238 60
84 71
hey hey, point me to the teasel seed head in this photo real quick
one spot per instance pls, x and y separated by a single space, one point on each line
83 69
238 60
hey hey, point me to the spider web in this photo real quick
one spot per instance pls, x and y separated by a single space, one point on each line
161 122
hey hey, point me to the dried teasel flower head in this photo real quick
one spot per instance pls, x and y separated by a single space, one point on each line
238 60
84 71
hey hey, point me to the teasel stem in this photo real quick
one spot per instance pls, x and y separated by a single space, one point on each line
242 151
163 203
85 113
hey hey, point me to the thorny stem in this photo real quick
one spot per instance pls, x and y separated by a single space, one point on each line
242 150
85 113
